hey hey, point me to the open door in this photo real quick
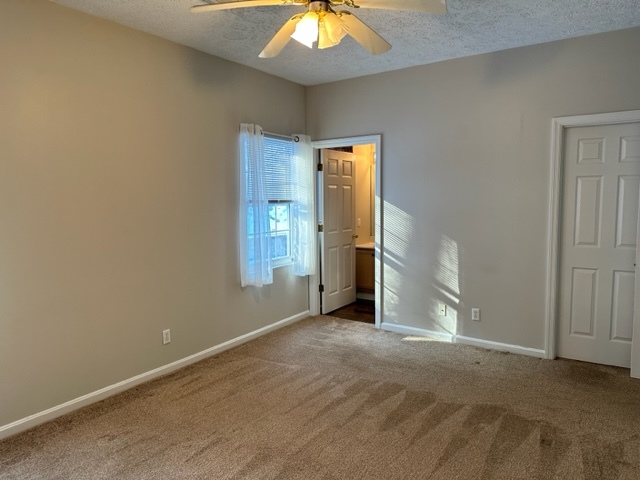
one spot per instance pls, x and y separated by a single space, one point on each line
339 232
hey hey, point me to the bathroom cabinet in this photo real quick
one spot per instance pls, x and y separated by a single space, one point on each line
365 269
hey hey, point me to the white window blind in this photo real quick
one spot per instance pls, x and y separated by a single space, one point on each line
278 169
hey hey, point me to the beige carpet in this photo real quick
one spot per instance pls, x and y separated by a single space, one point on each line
335 399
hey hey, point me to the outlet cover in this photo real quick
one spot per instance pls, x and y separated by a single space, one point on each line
475 314
166 336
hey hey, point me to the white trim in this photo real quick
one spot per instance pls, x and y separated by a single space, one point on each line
558 127
418 332
93 397
379 219
502 347
475 342
281 262
348 141
371 297
553 237
314 280
314 294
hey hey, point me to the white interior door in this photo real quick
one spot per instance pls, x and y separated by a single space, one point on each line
635 342
598 246
338 237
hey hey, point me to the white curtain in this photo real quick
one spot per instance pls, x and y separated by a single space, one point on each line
255 238
303 229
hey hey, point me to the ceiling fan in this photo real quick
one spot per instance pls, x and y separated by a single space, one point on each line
323 24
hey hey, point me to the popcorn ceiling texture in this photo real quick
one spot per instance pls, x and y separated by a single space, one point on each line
470 27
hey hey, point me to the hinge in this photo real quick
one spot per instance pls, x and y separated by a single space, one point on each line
321 288
320 228
321 167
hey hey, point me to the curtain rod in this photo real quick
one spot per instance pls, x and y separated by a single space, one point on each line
295 138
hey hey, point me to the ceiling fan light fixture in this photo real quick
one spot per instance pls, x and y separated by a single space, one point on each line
331 30
307 29
322 24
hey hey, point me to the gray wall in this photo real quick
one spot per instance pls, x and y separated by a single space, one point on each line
118 203
465 173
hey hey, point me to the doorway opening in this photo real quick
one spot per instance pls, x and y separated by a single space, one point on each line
360 311
349 281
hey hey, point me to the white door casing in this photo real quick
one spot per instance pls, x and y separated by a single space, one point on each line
378 219
601 188
338 237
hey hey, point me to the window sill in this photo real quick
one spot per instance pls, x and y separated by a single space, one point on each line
282 262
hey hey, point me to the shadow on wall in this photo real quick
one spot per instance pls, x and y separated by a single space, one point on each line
414 285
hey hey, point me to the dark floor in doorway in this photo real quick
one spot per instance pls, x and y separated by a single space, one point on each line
360 310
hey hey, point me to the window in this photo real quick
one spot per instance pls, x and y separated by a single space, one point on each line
277 220
278 153
280 228
280 225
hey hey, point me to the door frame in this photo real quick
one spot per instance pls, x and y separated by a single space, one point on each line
559 125
314 280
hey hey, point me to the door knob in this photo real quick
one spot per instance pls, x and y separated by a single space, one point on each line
354 236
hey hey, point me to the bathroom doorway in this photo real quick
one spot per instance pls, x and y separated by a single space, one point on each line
349 278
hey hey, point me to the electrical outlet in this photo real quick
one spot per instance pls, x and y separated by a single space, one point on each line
166 336
475 314
442 309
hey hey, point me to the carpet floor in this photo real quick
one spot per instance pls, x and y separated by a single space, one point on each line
328 398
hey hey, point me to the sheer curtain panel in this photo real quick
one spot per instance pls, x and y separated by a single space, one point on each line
255 237
303 241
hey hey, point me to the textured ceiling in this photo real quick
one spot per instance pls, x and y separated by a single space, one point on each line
470 27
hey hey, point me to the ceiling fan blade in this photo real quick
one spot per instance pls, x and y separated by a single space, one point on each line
363 34
278 42
211 7
427 6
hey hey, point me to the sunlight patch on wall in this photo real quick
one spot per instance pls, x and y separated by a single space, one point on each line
398 229
421 272
398 234
447 284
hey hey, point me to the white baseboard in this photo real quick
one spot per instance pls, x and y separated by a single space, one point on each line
366 296
93 397
418 332
503 347
476 342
